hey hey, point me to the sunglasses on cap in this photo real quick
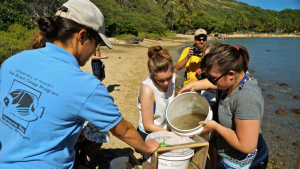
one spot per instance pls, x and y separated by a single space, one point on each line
200 38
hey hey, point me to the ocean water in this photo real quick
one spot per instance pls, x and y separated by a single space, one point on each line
274 61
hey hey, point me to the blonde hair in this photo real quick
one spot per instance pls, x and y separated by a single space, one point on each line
159 60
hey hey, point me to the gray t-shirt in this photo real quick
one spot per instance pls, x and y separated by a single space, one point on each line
245 102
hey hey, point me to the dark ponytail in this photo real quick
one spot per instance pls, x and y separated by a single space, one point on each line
226 57
59 29
49 27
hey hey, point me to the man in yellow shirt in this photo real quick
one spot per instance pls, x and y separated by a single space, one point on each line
189 60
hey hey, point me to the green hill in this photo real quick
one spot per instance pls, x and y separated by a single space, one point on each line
151 17
159 16
213 15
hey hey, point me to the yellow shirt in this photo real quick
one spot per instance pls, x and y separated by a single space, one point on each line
191 66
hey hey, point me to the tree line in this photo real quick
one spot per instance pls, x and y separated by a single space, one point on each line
160 16
139 17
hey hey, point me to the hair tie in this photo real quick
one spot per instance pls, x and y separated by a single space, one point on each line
237 48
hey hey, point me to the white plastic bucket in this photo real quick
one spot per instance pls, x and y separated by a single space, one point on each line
184 104
119 163
172 162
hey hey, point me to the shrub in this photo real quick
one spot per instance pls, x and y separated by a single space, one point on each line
9 16
170 34
142 35
150 35
230 29
123 36
16 39
127 27
110 25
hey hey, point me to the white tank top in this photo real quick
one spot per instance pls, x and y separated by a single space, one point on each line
162 100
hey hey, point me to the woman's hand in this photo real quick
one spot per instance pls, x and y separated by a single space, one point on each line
203 84
104 57
209 126
187 88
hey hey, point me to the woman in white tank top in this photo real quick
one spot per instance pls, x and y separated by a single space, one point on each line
156 92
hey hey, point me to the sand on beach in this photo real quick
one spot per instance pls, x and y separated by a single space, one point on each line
125 69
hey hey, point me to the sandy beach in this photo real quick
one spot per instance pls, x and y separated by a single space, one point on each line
125 69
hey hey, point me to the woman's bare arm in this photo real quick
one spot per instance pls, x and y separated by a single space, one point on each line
97 55
244 139
147 100
203 84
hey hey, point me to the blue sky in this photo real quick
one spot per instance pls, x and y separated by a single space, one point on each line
276 5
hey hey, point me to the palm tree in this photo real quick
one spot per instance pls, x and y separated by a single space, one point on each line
235 25
239 16
270 25
173 11
228 16
259 28
253 22
187 4
184 18
289 25
185 12
245 22
165 5
297 25
276 24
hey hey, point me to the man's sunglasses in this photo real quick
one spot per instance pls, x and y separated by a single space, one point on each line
214 81
201 39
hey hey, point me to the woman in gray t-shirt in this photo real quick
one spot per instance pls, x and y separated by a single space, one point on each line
239 141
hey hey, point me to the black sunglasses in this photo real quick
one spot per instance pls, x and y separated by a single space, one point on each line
94 34
199 38
214 81
98 39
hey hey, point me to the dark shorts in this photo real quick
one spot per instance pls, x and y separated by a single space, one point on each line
98 69
261 159
262 165
143 135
